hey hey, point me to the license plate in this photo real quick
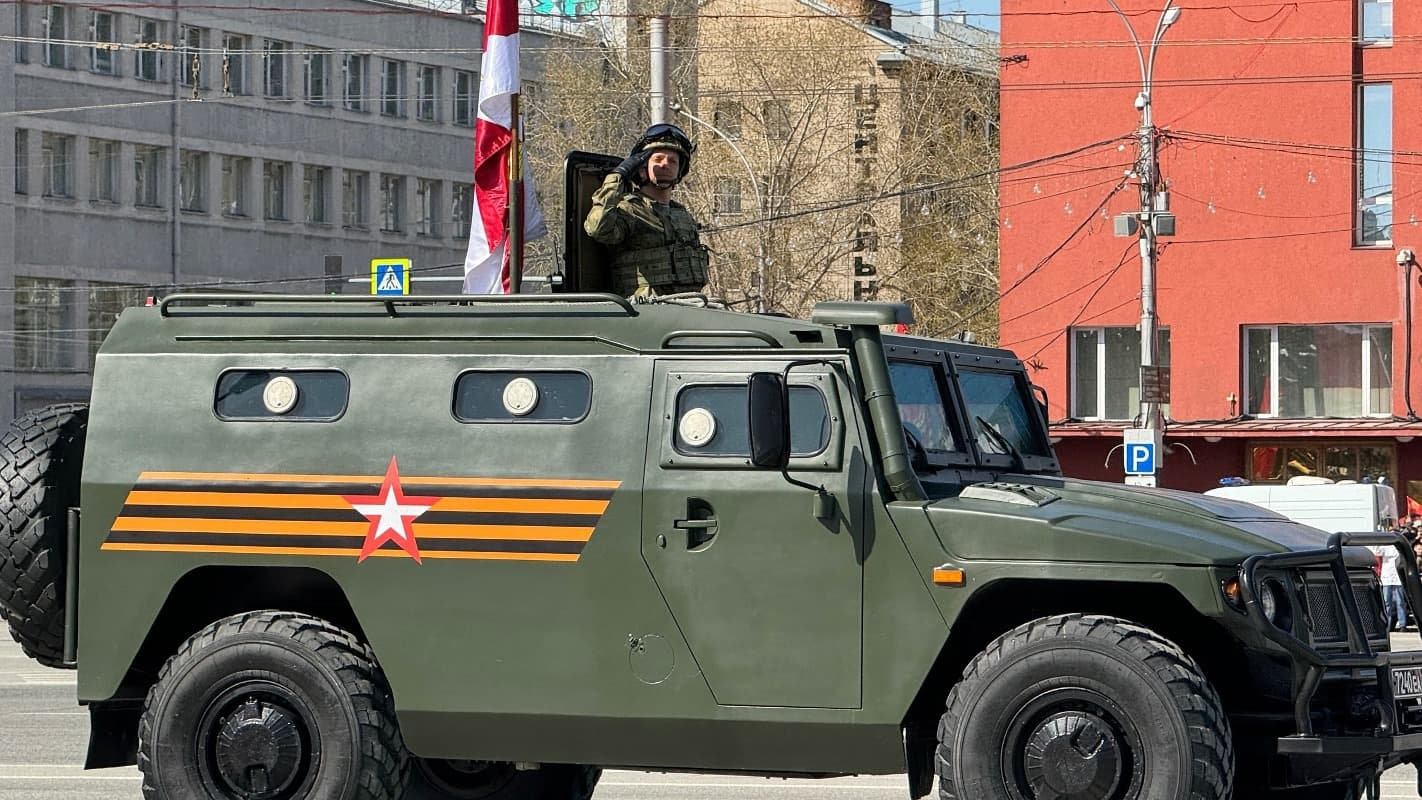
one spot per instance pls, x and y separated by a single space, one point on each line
1406 682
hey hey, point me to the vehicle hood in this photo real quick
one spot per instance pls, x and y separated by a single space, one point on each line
1064 519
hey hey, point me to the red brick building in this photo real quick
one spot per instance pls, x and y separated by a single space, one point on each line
1291 154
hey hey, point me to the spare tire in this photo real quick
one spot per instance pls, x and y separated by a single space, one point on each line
40 461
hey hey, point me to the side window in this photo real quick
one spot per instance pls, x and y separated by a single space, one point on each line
517 396
296 395
713 420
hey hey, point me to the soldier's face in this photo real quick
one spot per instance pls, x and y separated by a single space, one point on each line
664 166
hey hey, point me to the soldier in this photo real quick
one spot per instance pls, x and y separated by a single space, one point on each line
655 246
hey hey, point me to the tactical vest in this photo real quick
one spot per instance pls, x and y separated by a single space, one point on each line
677 263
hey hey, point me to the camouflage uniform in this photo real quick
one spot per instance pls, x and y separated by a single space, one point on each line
655 247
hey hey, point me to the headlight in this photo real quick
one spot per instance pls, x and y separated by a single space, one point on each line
1269 602
1274 602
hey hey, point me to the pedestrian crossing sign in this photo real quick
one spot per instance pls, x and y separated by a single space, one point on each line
390 276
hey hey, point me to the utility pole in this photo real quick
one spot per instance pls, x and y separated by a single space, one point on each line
660 83
1153 220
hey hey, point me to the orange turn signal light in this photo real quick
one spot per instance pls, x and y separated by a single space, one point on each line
949 576
1232 592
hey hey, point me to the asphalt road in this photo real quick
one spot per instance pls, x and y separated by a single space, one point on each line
43 734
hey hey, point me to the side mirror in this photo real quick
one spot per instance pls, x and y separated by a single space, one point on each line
769 420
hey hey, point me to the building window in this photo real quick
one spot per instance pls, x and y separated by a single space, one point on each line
274 179
190 57
728 196
146 63
1374 223
103 170
354 69
22 28
427 208
235 173
1376 20
192 181
106 302
392 190
727 117
392 89
103 56
1318 370
57 160
776 119
22 162
1277 462
355 192
274 55
147 175
41 341
318 78
428 108
463 210
56 31
1106 371
466 97
234 64
315 186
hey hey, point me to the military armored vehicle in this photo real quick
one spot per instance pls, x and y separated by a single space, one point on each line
484 547
356 547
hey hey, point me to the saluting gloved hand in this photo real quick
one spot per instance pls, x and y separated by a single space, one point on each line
631 167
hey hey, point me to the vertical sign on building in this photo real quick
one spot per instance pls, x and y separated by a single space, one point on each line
866 161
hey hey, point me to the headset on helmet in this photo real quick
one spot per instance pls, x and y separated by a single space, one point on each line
667 137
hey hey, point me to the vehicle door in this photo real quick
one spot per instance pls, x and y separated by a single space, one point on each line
767 595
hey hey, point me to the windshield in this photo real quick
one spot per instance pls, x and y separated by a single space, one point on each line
921 405
1001 400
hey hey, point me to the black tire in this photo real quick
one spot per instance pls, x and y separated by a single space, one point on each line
40 461
438 779
1031 706
271 705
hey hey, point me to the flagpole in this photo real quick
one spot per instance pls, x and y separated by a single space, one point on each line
515 236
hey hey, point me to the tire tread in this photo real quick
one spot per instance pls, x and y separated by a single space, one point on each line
40 457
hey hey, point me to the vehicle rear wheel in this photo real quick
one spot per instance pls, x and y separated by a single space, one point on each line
442 779
1088 708
271 705
40 461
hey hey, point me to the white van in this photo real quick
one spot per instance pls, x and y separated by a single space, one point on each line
1333 507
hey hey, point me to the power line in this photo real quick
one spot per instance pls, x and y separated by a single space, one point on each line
1087 220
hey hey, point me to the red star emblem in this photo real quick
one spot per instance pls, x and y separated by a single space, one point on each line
390 513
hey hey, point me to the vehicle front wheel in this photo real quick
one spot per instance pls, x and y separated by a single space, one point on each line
271 706
442 779
1084 707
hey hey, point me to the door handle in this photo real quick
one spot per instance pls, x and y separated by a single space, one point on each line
699 523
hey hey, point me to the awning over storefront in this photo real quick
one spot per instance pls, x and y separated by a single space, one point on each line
1252 428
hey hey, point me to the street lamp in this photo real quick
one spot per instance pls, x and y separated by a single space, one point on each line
755 187
1152 219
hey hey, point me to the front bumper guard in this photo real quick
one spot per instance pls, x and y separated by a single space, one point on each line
1310 664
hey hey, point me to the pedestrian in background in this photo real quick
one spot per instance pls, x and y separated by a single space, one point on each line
1394 606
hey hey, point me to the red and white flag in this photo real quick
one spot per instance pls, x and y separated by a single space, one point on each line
486 265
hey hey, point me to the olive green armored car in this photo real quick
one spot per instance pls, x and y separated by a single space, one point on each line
484 547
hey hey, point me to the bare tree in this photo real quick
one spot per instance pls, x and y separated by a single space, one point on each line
818 157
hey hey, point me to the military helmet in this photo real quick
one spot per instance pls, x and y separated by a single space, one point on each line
665 136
